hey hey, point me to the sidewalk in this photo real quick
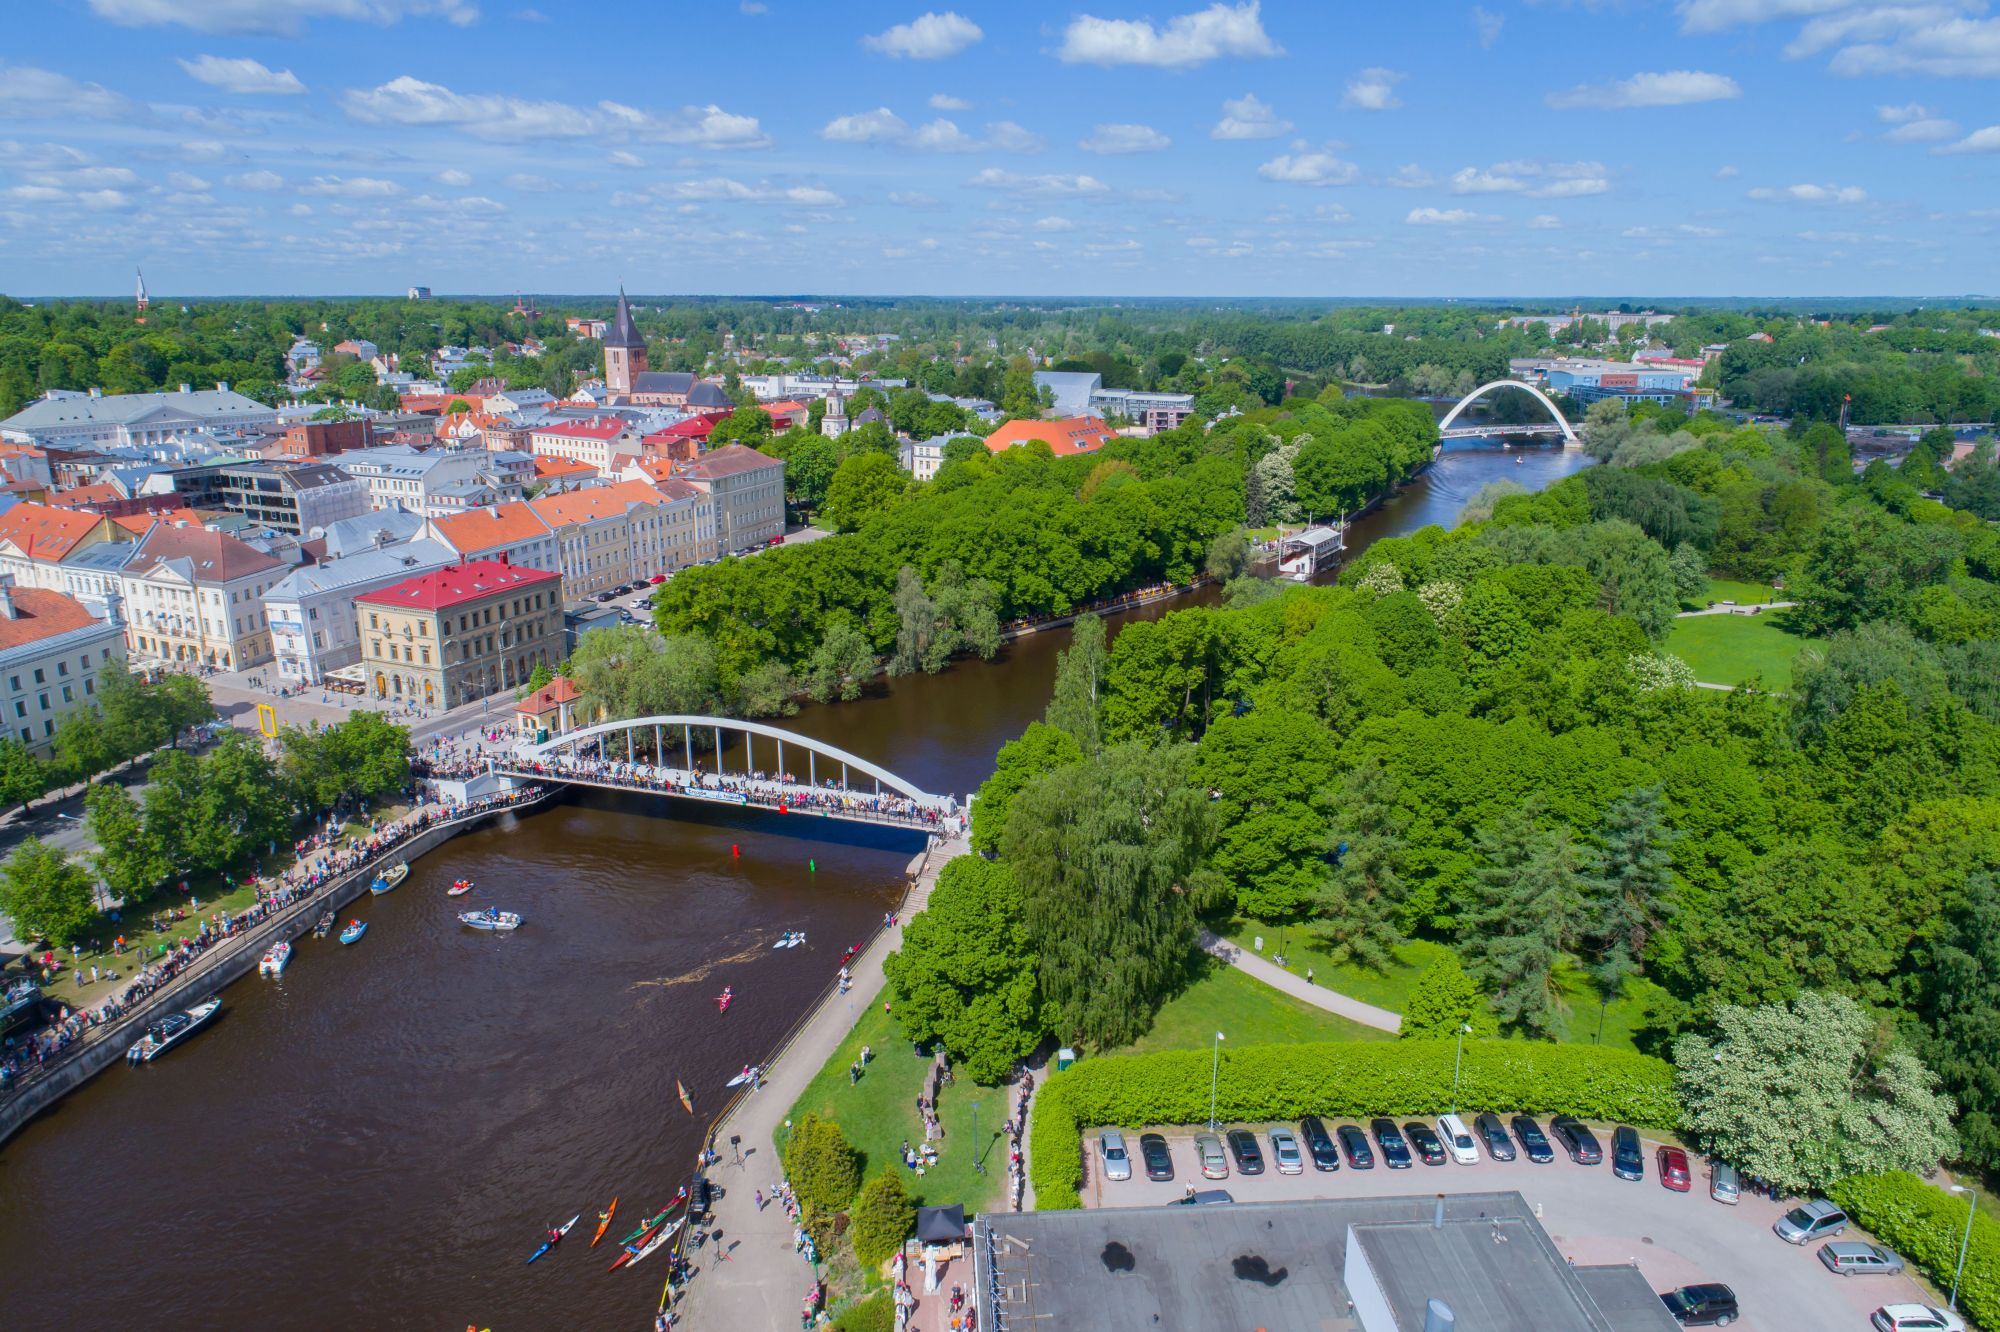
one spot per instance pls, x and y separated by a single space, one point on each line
763 1282
1317 995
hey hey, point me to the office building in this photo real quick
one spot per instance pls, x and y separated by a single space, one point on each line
460 633
52 651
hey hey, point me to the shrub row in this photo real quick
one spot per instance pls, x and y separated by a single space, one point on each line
1349 1079
1926 1225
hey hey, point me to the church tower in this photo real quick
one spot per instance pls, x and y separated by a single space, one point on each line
624 350
142 299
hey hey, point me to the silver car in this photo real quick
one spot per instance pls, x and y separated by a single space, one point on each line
1854 1258
1111 1146
1285 1154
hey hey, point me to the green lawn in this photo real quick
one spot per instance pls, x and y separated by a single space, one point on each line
1731 649
1246 1012
1730 589
880 1112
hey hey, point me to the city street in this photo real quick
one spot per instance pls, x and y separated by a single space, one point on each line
1677 1239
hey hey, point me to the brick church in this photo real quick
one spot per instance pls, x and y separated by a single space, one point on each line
629 381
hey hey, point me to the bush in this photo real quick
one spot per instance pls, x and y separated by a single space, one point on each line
825 1171
1926 1225
1353 1079
881 1219
877 1313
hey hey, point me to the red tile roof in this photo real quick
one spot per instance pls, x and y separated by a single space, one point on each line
457 585
595 427
45 533
216 558
699 426
40 614
549 469
1076 434
82 497
548 698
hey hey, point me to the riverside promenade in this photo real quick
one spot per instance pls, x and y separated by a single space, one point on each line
763 1281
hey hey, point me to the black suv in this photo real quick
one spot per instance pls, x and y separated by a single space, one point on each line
1319 1144
1578 1141
1701 1306
1159 1161
1533 1145
1494 1134
1424 1141
1627 1161
1354 1145
1249 1156
1395 1152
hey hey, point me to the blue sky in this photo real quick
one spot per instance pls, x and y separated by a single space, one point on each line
1420 148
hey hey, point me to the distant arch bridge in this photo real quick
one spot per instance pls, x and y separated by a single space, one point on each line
1558 426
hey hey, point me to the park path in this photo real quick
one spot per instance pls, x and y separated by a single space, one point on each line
1317 995
763 1282
1755 608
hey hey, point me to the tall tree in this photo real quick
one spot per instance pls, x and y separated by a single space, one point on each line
22 775
841 664
1358 905
1960 1007
129 858
1629 883
1443 1001
1527 897
1270 776
45 895
1074 706
1039 749
863 486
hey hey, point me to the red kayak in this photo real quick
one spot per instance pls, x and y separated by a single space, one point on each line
631 1250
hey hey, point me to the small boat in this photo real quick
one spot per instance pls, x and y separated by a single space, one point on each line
170 1031
275 959
741 1078
651 1241
648 1224
324 925
390 878
686 1104
459 888
660 1236
605 1224
848 956
556 1239
355 929
798 940
724 999
490 919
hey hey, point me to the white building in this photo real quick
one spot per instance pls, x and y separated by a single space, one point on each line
406 478
82 419
921 458
607 443
311 610
196 596
52 651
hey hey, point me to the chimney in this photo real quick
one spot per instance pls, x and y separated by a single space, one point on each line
97 393
1438 1317
187 388
7 610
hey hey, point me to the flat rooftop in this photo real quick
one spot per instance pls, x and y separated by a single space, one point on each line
1239 1266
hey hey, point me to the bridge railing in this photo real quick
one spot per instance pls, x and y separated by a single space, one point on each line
776 796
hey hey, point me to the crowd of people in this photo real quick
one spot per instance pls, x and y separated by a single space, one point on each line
1017 1127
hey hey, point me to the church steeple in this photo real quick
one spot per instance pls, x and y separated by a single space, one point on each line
142 302
624 349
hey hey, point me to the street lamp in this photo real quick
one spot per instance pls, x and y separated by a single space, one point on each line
1464 1030
1214 1070
978 1164
1971 1202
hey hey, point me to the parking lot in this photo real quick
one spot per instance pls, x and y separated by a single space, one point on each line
1676 1239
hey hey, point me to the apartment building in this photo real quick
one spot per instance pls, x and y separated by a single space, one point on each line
748 488
409 478
311 609
605 443
513 533
52 651
196 596
460 633
607 535
35 539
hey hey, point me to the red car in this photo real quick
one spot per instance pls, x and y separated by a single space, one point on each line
1674 1169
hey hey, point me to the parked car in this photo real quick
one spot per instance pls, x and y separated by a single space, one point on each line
1249 1156
1701 1306
1723 1185
1208 1151
1159 1161
1202 1197
1534 1144
1428 1148
1457 1141
1319 1144
1577 1140
1111 1147
1627 1161
1674 1173
1811 1221
1395 1152
602 597
1354 1146
1854 1258
1915 1318
1285 1154
1494 1134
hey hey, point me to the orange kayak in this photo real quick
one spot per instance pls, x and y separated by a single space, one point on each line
605 1224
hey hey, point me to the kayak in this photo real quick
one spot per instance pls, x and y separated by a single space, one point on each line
355 929
665 1233
741 1078
634 1252
605 1224
645 1226
561 1230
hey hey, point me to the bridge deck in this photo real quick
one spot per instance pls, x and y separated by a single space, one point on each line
882 808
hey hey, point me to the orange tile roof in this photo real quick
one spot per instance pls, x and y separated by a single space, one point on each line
39 614
1076 434
82 497
476 530
548 698
214 556
658 469
582 506
141 522
45 533
548 468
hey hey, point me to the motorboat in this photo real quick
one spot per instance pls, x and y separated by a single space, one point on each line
390 878
275 960
324 925
490 919
459 888
170 1031
355 929
20 1005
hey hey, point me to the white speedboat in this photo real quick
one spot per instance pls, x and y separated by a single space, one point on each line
170 1031
490 919
275 960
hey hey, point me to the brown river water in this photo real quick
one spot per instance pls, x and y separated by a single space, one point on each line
378 1139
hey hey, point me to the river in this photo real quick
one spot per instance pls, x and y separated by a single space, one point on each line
376 1140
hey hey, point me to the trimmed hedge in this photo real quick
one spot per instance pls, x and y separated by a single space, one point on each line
1926 1225
1353 1079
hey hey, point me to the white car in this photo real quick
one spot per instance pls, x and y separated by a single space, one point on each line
1457 1141
1111 1146
1915 1318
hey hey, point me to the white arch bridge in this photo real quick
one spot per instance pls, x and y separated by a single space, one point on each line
1558 426
717 760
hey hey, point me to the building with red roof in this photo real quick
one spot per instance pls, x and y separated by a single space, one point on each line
52 651
459 633
1065 438
606 443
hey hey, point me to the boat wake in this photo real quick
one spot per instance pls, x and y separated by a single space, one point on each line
705 970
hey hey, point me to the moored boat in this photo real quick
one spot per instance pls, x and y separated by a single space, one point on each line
170 1031
355 929
659 1237
490 919
275 959
389 878
324 925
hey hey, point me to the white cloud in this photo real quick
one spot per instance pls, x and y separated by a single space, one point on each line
502 118
946 102
1190 39
878 126
943 136
28 91
913 199
1705 233
753 7
242 75
186 180
275 16
994 178
1410 177
1373 90
1309 168
1928 129
352 187
1246 117
1011 138
1471 180
1979 141
1811 194
690 127
202 150
1545 222
260 180
1487 25
453 177
1542 180
1727 172
1125 139
1054 224
724 189
625 159
527 182
927 37
1679 87
1445 217
1716 15
1920 40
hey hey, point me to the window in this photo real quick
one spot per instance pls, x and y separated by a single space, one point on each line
68 696
20 708
427 655
83 662
372 622
89 687
43 698
41 677
14 683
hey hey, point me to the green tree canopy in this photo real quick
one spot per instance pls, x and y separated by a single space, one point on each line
45 895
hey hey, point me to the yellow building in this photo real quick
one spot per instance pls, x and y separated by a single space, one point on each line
460 633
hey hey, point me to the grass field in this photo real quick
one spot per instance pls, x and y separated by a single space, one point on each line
1247 1012
1729 589
1732 649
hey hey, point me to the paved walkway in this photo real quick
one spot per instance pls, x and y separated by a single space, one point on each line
1317 995
1737 608
763 1283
